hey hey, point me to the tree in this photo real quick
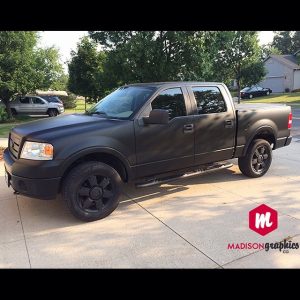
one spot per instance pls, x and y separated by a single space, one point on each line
252 74
49 71
287 42
241 56
86 69
268 50
16 64
145 56
24 67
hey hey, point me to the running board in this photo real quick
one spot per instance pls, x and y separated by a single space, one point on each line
214 167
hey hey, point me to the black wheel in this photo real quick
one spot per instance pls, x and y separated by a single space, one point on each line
258 159
92 190
250 96
13 112
268 93
52 112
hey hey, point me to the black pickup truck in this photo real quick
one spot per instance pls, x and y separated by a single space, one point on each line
147 133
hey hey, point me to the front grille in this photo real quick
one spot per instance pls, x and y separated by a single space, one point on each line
14 145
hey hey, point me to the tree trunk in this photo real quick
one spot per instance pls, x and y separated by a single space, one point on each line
239 90
7 107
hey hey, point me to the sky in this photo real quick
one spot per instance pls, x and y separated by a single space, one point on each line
66 41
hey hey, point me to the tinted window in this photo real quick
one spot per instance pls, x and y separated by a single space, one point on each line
259 88
209 100
25 100
171 100
246 89
37 101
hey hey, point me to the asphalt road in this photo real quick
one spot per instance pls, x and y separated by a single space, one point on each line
296 122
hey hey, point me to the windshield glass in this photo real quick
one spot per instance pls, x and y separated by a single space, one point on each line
53 99
246 89
123 102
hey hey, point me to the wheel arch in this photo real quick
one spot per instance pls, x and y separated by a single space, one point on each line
52 108
108 156
266 133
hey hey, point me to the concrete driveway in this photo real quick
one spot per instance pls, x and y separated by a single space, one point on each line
184 224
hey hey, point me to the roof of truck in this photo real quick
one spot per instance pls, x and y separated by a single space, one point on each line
157 84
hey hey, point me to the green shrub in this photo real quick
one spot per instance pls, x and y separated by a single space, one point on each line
3 115
69 101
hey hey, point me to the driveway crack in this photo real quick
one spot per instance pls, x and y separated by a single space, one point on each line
166 225
23 232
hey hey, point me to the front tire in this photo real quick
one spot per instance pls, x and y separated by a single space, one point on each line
268 93
258 159
92 190
250 96
52 112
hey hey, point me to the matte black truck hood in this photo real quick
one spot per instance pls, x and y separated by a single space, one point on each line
50 128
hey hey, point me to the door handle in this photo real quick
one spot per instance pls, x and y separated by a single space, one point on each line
188 128
228 123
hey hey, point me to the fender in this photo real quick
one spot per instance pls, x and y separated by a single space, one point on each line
264 128
96 150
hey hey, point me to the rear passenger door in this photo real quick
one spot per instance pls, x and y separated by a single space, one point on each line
214 123
39 106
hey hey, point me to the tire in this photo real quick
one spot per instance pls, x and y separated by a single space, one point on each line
250 96
85 187
52 112
268 93
257 161
13 111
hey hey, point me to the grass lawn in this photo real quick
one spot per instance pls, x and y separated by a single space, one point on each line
290 98
79 107
6 127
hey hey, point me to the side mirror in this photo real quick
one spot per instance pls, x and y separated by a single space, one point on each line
157 116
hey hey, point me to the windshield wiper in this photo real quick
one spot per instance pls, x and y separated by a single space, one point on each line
98 113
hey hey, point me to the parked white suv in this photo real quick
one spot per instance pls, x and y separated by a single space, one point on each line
36 105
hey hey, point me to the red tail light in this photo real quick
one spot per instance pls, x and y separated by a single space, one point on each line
290 121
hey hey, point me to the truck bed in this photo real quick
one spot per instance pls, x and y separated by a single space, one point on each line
250 116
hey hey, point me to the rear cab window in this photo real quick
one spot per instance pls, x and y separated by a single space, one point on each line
209 99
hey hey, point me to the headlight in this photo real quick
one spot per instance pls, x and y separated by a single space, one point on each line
37 151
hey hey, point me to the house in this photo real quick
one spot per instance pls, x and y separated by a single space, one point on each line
283 73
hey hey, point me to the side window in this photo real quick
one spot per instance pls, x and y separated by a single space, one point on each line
209 100
37 101
24 100
171 100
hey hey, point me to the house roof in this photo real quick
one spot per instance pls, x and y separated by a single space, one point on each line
289 60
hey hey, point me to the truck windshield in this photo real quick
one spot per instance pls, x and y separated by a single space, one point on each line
123 102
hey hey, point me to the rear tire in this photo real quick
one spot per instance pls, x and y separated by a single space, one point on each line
258 159
52 112
92 190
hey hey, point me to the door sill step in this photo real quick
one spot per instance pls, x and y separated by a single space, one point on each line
205 169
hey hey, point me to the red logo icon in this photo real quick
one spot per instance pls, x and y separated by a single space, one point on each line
263 219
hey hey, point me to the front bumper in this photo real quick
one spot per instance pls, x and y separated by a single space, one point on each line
42 188
61 110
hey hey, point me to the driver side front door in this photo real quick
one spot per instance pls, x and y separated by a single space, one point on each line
165 147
